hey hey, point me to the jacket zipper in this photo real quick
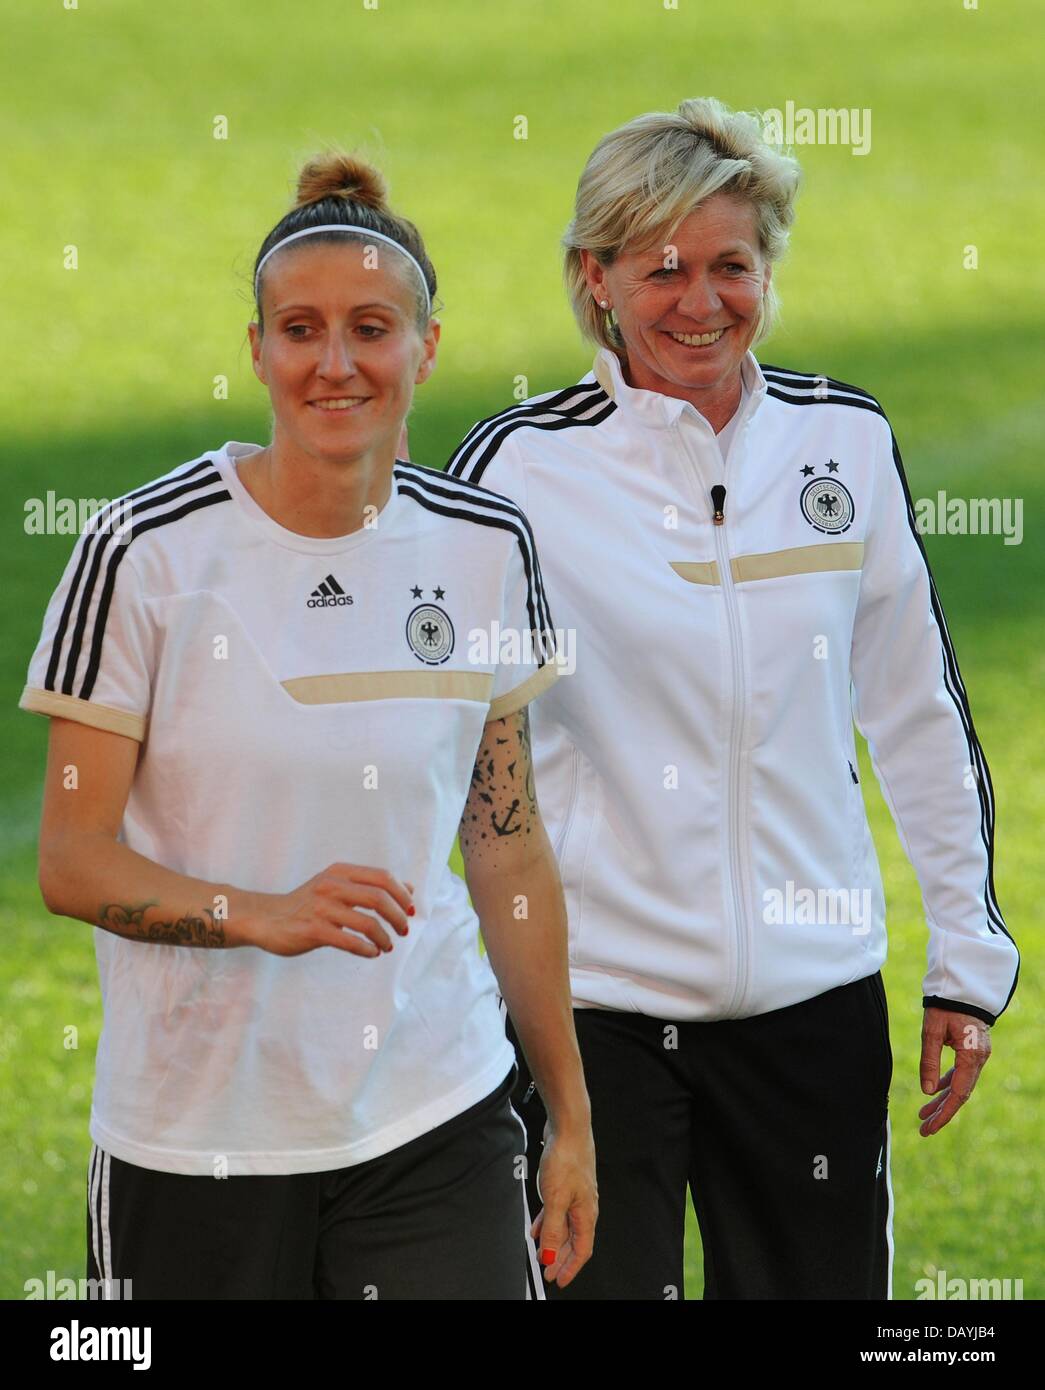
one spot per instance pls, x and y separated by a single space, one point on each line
725 575
718 517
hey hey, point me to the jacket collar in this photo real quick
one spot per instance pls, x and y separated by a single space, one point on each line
653 409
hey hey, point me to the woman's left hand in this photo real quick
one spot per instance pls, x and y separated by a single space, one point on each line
565 1225
971 1040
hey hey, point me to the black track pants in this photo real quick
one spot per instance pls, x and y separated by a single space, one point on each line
778 1126
441 1217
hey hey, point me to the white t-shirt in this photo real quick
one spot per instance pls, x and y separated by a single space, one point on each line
300 701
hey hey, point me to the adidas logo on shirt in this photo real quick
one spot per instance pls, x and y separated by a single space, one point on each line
329 595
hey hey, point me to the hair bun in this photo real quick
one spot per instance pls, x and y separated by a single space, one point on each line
341 176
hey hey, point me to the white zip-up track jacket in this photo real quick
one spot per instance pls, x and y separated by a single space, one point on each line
697 770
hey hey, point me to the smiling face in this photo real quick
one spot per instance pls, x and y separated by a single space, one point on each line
688 318
341 352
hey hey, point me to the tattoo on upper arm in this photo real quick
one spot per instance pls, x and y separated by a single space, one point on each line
502 802
186 931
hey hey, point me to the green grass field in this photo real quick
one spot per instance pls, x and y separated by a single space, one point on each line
108 122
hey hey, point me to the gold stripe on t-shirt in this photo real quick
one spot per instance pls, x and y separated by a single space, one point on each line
57 705
390 685
776 564
513 700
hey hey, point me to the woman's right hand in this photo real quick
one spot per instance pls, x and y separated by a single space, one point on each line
325 911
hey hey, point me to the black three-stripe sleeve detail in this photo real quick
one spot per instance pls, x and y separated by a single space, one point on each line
92 548
164 519
439 485
809 388
785 376
575 397
472 470
470 461
536 605
832 397
102 542
956 689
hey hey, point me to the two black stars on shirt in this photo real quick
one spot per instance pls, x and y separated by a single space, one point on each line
437 593
832 467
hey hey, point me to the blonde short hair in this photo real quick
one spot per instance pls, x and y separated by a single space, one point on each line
643 179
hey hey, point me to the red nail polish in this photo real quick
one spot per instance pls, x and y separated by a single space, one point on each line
547 1257
410 910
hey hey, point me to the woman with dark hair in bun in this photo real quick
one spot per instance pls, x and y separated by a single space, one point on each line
264 666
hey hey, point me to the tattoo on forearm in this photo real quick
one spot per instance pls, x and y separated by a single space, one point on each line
498 807
186 931
506 826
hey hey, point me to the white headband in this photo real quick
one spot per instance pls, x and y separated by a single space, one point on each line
344 227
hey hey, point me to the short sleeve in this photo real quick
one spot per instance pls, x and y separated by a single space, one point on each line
94 660
526 659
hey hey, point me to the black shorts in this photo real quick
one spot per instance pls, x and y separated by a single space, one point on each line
777 1125
441 1217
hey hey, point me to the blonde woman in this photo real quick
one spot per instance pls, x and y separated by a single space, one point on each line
260 673
733 547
